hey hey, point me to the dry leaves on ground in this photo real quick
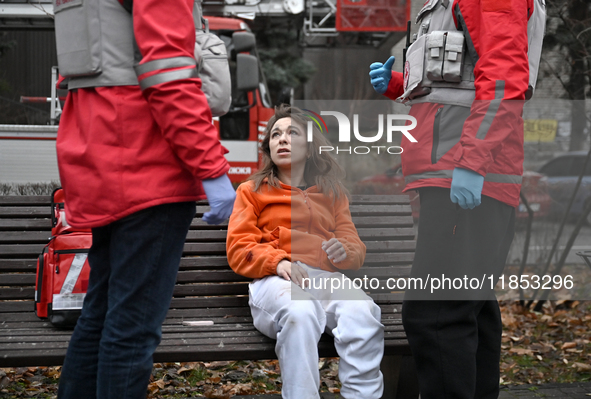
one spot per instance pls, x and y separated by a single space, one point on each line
545 347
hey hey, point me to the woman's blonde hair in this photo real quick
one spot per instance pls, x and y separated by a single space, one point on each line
321 169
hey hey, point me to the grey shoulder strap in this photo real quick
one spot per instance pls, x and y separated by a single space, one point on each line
198 14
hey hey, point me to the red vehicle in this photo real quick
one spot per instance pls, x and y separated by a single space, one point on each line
241 129
27 152
534 187
563 173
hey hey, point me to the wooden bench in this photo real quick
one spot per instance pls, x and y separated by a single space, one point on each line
206 289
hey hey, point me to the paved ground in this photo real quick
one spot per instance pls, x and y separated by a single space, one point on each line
581 390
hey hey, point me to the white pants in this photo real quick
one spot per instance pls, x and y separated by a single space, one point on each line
296 318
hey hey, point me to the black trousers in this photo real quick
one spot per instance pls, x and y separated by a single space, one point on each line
455 336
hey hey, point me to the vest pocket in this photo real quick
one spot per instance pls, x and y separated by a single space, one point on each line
78 37
445 56
435 47
454 57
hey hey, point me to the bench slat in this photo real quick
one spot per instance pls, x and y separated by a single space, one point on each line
194 313
385 221
17 224
356 209
209 276
21 250
24 224
13 334
406 249
28 200
402 199
213 248
28 339
25 237
355 198
17 293
186 354
392 328
210 289
17 280
25 211
187 263
26 282
388 259
18 265
386 233
177 303
16 306
45 324
376 210
29 343
45 211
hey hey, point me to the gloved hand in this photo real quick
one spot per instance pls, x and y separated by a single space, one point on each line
381 74
221 196
466 187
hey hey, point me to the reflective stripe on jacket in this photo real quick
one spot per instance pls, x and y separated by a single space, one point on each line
122 149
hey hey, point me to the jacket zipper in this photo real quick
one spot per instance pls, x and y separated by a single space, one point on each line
435 136
306 198
72 251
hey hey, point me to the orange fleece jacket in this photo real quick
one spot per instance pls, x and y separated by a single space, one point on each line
287 223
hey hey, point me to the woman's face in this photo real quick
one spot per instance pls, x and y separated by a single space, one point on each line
288 145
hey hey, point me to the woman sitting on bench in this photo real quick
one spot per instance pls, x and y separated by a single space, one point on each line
291 230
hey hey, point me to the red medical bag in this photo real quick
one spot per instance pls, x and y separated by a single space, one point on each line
62 269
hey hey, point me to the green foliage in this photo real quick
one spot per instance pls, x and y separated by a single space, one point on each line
5 45
29 188
524 361
282 61
5 87
568 29
198 374
568 32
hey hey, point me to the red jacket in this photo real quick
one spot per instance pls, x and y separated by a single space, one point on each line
121 149
498 31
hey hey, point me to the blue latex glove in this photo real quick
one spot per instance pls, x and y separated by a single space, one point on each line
466 187
221 196
380 75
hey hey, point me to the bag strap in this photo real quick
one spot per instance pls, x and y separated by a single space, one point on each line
127 4
205 24
197 12
53 206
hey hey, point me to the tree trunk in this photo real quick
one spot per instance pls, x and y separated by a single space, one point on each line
578 11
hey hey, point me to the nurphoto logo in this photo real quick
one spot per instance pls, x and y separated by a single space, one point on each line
345 132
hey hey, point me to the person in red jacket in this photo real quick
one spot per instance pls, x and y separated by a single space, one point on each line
136 148
291 230
466 76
